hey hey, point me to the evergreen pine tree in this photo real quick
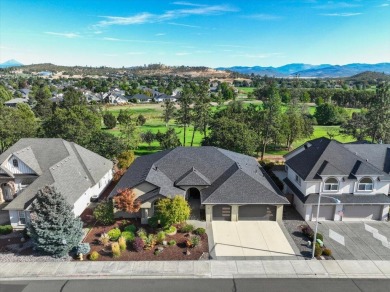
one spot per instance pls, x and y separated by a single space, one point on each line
53 227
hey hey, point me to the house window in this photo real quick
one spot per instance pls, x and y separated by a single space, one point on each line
22 217
331 184
298 179
15 163
366 184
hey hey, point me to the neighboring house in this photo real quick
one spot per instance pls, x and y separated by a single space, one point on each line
164 97
15 101
355 174
141 97
223 184
31 164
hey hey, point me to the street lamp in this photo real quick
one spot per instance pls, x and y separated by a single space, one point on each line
318 212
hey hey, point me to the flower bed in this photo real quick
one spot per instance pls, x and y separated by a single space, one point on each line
158 252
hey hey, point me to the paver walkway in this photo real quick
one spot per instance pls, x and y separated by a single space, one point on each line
245 239
196 269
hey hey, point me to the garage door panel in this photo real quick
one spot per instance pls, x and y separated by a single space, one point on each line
256 212
222 212
361 213
326 213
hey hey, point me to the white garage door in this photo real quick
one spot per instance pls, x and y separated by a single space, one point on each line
326 213
362 213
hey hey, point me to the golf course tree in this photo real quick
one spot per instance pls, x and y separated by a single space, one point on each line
168 112
183 115
109 120
169 139
53 227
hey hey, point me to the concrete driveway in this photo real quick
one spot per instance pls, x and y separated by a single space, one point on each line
249 239
368 240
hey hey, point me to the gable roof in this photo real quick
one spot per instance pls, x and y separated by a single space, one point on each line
193 178
325 157
67 166
229 177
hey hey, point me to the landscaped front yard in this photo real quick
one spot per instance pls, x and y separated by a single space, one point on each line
154 246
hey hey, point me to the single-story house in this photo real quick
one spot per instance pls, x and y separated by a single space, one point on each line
141 97
32 163
223 184
357 175
15 101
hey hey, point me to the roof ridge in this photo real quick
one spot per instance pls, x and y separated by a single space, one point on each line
81 161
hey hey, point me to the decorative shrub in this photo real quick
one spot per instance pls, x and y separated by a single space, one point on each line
171 211
83 248
200 231
172 242
160 237
195 241
150 242
319 236
122 243
130 228
327 252
128 235
142 233
104 239
5 229
158 251
138 244
307 230
94 256
186 228
114 234
171 230
116 251
104 212
318 250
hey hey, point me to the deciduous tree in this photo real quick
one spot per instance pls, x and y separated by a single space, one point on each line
126 200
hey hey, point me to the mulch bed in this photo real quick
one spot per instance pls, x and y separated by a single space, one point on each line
170 253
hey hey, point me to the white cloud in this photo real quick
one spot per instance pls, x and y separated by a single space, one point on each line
341 14
384 5
337 5
263 17
69 35
184 3
182 54
146 17
160 34
185 25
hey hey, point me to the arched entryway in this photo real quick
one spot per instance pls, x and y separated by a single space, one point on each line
193 197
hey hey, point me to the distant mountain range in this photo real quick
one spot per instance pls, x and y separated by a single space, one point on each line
10 63
307 70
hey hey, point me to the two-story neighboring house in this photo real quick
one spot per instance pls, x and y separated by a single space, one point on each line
355 174
31 164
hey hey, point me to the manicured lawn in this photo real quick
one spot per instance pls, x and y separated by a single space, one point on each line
246 89
154 123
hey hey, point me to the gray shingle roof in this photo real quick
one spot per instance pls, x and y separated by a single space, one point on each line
328 157
193 178
69 167
231 177
377 199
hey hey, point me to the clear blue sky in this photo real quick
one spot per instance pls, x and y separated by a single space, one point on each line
210 33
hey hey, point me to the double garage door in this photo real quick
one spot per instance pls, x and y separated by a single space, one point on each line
350 213
245 212
362 213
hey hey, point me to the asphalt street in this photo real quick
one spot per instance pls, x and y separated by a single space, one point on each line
189 285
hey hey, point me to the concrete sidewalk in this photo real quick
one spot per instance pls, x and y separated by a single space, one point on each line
195 269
